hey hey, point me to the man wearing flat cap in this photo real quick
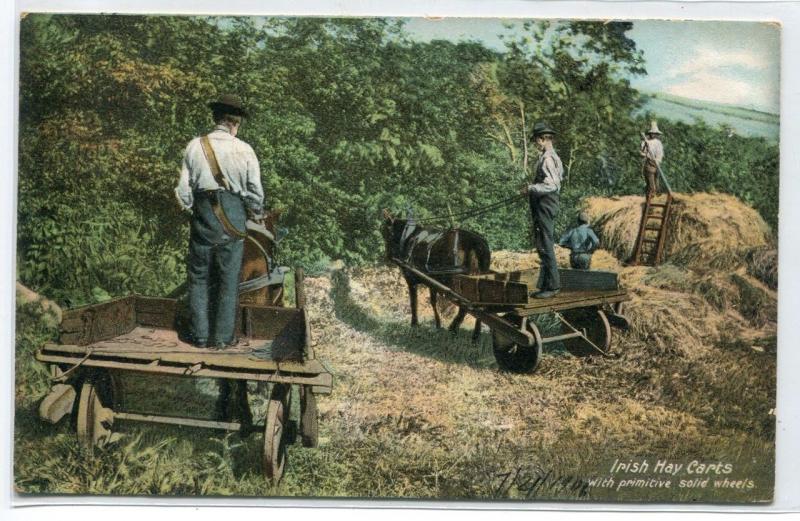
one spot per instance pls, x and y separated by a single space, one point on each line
219 184
652 152
543 198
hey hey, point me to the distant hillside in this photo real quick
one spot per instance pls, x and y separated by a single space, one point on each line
746 122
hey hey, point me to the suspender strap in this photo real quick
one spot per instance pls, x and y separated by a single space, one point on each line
216 206
216 171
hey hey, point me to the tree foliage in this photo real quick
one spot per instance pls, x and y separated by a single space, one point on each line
349 116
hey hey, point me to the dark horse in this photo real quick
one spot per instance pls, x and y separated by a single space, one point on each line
441 254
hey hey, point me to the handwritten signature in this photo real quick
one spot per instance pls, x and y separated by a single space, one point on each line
532 481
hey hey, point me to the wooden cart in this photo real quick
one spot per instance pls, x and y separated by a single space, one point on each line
136 334
589 304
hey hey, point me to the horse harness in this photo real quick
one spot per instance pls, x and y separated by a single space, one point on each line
409 243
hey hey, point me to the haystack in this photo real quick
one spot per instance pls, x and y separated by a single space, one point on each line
504 261
705 229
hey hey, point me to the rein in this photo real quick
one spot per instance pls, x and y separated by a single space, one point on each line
474 212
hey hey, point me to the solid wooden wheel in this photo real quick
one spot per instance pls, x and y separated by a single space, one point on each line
95 415
593 323
273 456
515 357
309 418
616 317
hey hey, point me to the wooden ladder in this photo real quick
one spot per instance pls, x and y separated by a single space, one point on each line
649 248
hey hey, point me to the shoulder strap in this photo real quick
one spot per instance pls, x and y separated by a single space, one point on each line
213 163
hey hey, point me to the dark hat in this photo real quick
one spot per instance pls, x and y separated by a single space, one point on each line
230 104
542 129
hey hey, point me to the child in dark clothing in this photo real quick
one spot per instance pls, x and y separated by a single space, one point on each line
582 241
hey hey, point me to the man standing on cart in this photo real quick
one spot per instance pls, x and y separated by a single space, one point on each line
219 185
543 198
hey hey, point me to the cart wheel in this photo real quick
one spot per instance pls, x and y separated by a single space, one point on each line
594 323
514 357
273 457
616 317
309 419
95 415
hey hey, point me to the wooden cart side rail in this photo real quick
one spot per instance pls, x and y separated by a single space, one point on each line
98 322
230 361
87 324
543 306
493 320
571 279
321 382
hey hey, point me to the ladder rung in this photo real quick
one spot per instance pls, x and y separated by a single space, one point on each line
658 205
654 228
649 240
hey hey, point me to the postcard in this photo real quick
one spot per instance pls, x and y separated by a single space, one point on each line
453 259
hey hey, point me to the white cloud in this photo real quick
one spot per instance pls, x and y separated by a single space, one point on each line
705 59
714 87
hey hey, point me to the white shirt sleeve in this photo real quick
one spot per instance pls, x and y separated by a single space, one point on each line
255 192
549 184
183 192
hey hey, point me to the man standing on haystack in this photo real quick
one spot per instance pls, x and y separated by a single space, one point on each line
220 182
543 198
652 151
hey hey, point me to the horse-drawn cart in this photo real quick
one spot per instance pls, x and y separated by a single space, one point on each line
136 334
589 304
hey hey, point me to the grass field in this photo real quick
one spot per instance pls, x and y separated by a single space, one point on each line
747 122
419 413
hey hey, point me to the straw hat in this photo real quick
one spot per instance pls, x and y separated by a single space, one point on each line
654 128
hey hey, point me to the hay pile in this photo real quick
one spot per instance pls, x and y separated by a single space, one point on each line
715 230
504 261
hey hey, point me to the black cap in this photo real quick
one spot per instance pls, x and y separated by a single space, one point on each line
542 129
230 104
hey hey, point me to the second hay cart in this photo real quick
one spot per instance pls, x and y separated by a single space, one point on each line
589 305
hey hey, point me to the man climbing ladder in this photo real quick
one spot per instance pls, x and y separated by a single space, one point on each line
649 248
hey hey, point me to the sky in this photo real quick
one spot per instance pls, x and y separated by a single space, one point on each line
736 63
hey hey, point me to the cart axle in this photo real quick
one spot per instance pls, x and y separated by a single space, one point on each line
189 422
565 336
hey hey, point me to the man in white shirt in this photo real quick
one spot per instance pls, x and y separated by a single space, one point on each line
544 201
219 184
652 151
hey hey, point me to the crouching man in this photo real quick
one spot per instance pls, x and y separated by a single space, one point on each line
581 241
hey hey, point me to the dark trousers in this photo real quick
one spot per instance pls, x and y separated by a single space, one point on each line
544 209
580 261
213 265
